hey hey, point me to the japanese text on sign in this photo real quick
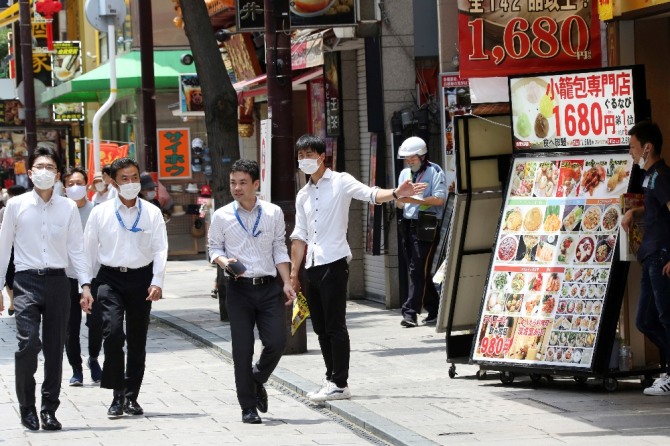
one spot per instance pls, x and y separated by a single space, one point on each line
174 154
503 37
572 110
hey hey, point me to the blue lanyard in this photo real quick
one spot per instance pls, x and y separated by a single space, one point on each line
134 228
255 232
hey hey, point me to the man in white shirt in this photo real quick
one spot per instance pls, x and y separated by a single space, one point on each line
103 189
75 181
127 240
321 222
46 232
251 232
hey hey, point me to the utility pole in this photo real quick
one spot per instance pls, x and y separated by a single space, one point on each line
280 111
26 39
148 87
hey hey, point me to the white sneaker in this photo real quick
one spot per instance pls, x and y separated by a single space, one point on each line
324 384
660 387
331 392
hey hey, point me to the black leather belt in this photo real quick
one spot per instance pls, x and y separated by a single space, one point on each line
45 271
122 269
252 280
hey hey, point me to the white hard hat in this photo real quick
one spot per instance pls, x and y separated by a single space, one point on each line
412 146
197 142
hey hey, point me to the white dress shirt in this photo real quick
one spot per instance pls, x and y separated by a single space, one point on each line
322 215
107 242
84 212
259 254
99 198
45 235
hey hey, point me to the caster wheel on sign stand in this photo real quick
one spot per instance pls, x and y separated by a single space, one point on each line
507 378
610 384
535 377
452 371
481 374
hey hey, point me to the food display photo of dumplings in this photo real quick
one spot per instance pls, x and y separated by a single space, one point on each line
533 110
547 179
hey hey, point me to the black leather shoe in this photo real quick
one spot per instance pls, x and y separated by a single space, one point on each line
11 313
49 421
29 418
261 398
250 416
116 409
133 408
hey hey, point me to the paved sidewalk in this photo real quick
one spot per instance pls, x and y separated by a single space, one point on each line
402 392
188 396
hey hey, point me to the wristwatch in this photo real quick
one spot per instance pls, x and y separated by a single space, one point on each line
394 194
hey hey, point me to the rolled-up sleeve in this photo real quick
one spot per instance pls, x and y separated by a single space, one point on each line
440 185
279 249
215 238
357 190
300 229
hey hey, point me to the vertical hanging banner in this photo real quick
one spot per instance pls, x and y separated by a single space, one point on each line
504 37
66 65
332 93
174 154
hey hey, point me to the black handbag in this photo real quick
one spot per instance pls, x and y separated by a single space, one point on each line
426 226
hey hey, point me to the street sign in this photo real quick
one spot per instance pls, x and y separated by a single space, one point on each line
100 12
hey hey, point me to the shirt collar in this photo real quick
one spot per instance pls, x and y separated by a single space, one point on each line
326 174
118 204
256 204
38 200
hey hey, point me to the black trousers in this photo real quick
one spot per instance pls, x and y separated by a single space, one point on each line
123 295
262 306
93 322
42 299
419 257
327 302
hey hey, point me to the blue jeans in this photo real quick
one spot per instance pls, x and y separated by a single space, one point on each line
653 311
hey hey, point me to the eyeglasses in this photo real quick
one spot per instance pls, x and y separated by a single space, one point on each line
49 167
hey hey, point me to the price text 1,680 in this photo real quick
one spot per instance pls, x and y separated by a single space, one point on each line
544 38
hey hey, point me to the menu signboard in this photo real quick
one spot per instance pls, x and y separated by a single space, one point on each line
550 269
573 110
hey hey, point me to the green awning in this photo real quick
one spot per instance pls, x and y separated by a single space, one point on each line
94 85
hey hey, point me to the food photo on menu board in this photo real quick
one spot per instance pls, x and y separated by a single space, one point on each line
550 269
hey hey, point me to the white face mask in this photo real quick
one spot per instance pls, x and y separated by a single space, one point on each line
75 192
100 186
641 162
150 195
43 179
129 191
308 165
415 167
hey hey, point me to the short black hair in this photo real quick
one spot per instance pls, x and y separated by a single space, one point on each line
107 169
648 132
47 152
122 163
248 166
309 141
16 190
71 171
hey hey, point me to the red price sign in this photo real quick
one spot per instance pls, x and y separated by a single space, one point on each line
503 37
494 346
587 109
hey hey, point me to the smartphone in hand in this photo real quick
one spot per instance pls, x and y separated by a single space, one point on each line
236 269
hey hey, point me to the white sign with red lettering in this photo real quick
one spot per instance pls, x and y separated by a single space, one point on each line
572 111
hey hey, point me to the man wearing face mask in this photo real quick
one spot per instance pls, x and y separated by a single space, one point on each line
101 184
75 181
46 232
653 311
321 221
418 247
126 237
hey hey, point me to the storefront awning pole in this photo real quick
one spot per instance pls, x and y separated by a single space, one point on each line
111 46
